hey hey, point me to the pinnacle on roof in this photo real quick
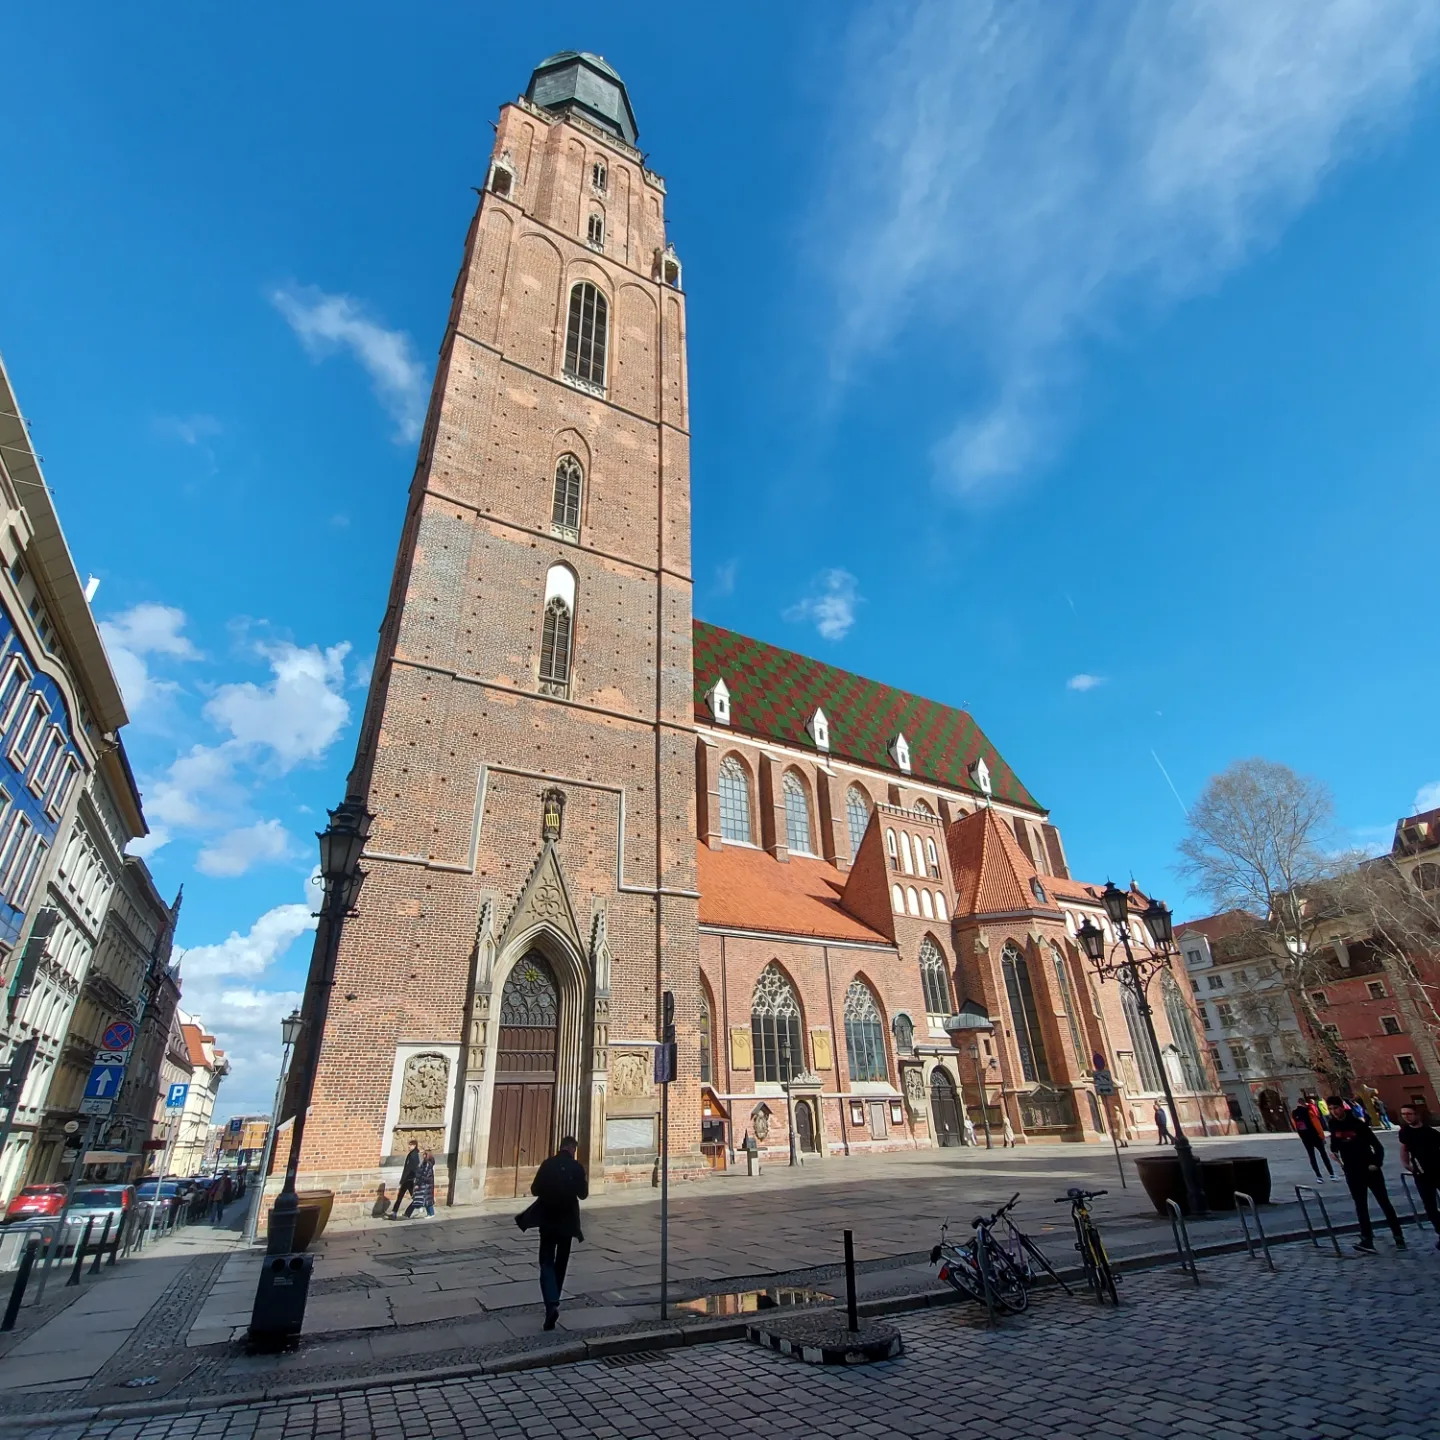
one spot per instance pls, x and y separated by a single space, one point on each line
577 81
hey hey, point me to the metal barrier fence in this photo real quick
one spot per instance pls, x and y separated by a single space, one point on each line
1325 1215
1182 1241
1242 1201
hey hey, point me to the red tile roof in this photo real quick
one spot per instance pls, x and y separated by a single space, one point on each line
774 692
194 1044
1222 926
993 875
744 889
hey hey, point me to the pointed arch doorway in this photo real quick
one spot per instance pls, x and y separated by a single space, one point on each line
944 1108
522 1114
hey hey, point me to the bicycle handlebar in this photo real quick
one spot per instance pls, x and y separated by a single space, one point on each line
1075 1193
991 1219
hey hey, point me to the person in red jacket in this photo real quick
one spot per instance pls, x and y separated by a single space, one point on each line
1306 1120
1361 1155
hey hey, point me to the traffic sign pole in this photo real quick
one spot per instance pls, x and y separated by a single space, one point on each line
1105 1089
64 1215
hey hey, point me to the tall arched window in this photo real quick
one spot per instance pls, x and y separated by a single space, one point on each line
933 978
1145 1056
864 1034
891 850
1067 1000
940 907
905 859
912 901
775 1027
565 513
707 1064
585 335
595 230
932 858
927 906
1183 1033
797 814
734 802
897 897
857 816
1029 1037
557 632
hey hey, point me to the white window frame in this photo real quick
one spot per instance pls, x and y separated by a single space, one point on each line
20 756
50 753
897 899
55 803
17 662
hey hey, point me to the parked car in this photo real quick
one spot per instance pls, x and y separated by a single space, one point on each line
100 1201
157 1200
35 1202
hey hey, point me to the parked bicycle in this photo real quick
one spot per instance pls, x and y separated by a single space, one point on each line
985 1268
1099 1274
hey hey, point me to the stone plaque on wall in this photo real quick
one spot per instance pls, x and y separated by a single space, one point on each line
740 1054
821 1049
630 1075
633 1136
422 1104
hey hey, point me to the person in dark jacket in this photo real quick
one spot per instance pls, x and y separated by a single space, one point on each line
1420 1154
559 1186
1306 1120
1361 1155
1162 1124
407 1177
424 1196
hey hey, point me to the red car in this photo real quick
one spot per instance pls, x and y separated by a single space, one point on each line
35 1202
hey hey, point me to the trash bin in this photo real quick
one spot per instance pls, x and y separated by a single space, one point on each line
280 1298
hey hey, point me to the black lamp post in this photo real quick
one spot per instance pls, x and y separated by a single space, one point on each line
1136 972
971 1019
290 1028
789 1099
341 844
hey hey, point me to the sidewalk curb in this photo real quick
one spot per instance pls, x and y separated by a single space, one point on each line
663 1337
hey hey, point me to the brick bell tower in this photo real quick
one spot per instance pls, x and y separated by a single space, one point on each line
528 746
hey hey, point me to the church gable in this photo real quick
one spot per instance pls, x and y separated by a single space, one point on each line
545 901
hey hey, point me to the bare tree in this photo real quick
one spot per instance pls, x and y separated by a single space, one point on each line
1257 842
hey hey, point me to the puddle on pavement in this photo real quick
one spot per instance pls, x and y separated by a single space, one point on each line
747 1302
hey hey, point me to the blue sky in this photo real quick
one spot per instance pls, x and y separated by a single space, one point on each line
1074 364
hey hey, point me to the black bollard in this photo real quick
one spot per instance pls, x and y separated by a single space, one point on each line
100 1249
80 1252
851 1313
22 1278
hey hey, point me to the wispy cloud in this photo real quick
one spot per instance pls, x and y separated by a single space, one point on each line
298 713
238 851
1084 682
725 574
192 430
139 632
1029 175
327 323
830 605
1427 797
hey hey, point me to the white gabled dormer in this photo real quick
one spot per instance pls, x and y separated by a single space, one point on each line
980 774
717 697
818 728
900 752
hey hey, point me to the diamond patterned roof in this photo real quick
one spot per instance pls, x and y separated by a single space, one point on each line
773 692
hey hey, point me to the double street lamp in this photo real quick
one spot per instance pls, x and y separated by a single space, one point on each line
342 842
1136 972
290 1028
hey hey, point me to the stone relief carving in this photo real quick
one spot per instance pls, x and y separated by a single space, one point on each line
630 1076
915 1087
422 1103
760 1121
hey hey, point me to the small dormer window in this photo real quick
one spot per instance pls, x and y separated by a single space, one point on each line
818 728
900 752
980 774
717 697
599 177
1038 891
502 178
596 233
670 267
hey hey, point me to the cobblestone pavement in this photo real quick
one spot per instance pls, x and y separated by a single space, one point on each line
1322 1350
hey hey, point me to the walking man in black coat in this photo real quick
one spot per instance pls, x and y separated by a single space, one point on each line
1361 1155
407 1178
559 1186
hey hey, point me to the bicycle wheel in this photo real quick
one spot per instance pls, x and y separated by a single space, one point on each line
1105 1276
963 1273
1087 1258
1007 1280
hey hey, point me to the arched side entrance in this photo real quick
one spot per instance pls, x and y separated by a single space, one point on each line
522 1110
805 1135
944 1108
1272 1110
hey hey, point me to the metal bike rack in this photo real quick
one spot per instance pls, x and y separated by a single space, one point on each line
1329 1228
1182 1241
1410 1200
1241 1201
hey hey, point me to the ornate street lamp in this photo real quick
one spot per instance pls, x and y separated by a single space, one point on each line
1136 972
290 1028
789 1099
969 1020
342 842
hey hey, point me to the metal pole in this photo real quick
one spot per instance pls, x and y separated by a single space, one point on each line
100 1249
851 1313
252 1222
22 1278
1189 1166
54 1252
984 1100
664 1199
80 1250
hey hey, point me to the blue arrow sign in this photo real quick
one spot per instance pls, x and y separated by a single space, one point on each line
104 1081
175 1096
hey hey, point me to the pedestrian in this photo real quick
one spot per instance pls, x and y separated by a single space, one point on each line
1306 1120
1420 1155
219 1197
1361 1155
969 1131
423 1197
1008 1131
559 1186
407 1177
1162 1124
1383 1113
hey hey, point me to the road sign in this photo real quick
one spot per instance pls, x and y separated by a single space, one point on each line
665 1063
1104 1082
110 1057
175 1096
92 1106
70 1126
119 1035
104 1082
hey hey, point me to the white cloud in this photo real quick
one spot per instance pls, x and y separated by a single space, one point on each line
147 845
141 631
1084 682
197 791
189 429
250 954
235 852
1427 797
1027 175
725 575
298 714
831 603
326 323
